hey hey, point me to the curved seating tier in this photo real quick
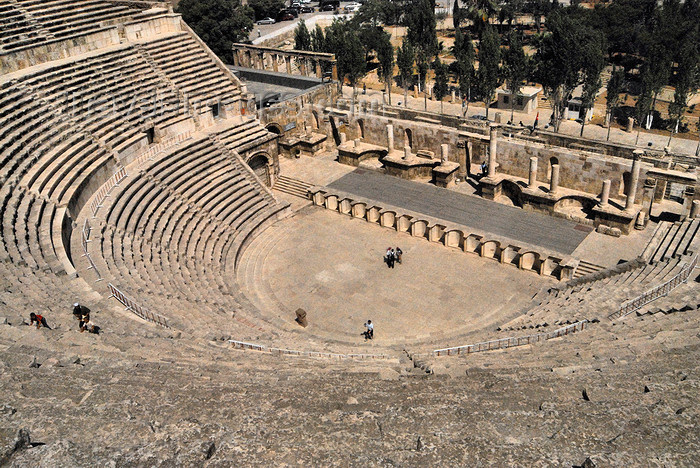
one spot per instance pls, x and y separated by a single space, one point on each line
168 230
190 69
597 299
30 22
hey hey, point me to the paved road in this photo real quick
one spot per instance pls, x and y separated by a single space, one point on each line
554 234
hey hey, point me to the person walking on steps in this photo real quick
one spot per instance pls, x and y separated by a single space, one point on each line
369 330
392 258
398 254
387 257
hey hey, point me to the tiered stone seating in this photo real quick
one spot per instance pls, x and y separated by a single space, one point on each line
243 135
594 300
189 67
57 125
18 29
169 230
673 240
63 18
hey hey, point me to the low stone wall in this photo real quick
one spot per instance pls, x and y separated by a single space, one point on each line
505 251
29 56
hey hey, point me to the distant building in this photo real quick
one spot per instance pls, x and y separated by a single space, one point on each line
525 100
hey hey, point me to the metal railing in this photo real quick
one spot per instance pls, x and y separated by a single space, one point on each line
313 354
107 187
162 146
504 343
84 239
139 310
655 293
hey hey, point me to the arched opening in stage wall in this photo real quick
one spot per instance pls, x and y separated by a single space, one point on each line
334 129
315 122
408 138
361 128
274 128
260 164
552 161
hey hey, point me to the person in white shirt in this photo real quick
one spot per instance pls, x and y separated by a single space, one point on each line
369 332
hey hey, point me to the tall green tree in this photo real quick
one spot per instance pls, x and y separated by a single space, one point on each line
489 73
419 18
440 88
687 79
479 12
318 39
220 23
616 86
385 56
302 37
457 15
404 60
561 56
594 62
515 67
464 54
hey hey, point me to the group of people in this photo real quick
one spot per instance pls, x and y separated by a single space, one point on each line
392 256
82 314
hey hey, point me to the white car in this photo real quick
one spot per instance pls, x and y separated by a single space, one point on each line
352 7
267 20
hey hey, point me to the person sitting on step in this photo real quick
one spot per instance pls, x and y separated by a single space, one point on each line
369 332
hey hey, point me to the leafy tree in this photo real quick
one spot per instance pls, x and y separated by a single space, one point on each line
515 67
464 54
488 75
594 62
404 60
420 20
687 79
219 23
562 56
422 67
479 12
375 12
456 15
616 86
302 37
318 40
265 8
343 41
440 88
385 55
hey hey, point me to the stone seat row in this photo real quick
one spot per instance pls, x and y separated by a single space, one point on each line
188 66
171 226
17 30
674 239
596 300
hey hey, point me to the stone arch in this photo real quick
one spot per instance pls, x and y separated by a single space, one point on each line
361 128
576 205
315 121
408 138
260 163
274 128
625 180
510 193
334 129
530 261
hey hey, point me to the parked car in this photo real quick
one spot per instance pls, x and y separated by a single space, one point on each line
479 117
307 9
267 20
285 16
352 7
327 7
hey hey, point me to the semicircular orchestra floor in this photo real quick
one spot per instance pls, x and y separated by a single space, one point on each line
332 266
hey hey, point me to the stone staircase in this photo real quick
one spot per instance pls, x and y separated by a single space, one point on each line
292 186
586 268
672 240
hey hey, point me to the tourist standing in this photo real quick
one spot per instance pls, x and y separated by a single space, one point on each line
399 252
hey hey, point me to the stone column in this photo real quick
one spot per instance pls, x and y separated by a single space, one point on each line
335 72
532 181
605 195
275 65
634 181
462 157
407 152
302 66
695 209
343 137
554 181
444 153
319 74
236 59
390 137
493 142
288 63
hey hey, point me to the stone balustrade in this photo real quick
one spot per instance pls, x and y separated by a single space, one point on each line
523 256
